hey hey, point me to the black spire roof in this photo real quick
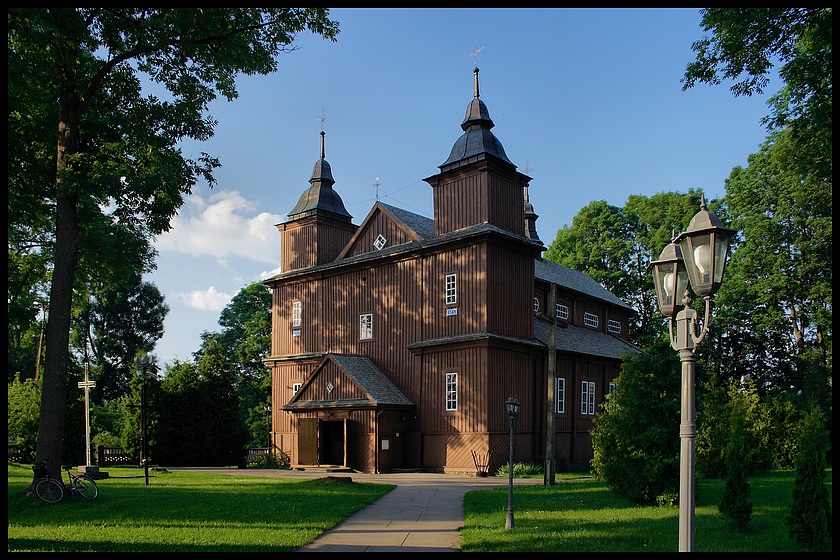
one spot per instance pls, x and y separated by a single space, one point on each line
477 142
320 196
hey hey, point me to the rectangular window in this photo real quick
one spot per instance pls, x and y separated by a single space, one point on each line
536 304
296 387
366 326
560 394
590 320
613 326
296 313
562 312
452 391
451 289
587 398
612 388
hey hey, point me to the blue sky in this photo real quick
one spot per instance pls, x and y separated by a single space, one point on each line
588 102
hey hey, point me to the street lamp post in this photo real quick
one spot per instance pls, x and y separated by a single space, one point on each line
512 407
144 362
706 243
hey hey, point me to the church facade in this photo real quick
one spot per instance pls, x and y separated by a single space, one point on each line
396 342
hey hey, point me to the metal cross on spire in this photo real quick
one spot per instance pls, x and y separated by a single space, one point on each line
475 52
376 186
322 118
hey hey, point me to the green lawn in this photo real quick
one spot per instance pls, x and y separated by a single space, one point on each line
183 511
204 512
585 516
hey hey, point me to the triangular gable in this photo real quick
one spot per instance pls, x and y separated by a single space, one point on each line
345 381
380 229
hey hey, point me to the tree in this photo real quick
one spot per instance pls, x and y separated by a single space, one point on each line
735 505
775 305
118 320
809 517
615 246
246 338
636 435
102 154
744 45
199 421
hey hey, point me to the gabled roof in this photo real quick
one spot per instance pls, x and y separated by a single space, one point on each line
379 390
580 340
554 273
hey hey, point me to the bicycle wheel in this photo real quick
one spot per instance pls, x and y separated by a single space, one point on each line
85 486
49 490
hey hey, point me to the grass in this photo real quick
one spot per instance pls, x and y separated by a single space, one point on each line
585 516
183 512
189 512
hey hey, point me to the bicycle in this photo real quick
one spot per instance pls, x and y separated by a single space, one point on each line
52 490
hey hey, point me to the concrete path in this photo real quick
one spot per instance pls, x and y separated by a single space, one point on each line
424 513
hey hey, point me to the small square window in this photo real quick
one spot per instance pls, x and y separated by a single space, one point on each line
380 242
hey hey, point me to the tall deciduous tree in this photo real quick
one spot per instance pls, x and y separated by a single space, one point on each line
775 305
616 245
73 83
246 339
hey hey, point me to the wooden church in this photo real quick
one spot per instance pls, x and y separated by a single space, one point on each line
396 342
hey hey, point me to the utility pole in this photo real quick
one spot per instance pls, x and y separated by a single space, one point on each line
551 312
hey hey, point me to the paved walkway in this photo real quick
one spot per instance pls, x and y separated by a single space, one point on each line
424 513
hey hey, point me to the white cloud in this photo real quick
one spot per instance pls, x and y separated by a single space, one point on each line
210 299
222 226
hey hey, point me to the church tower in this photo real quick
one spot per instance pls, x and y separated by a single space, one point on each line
478 183
319 226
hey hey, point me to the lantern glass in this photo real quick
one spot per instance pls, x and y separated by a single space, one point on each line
708 250
670 280
512 406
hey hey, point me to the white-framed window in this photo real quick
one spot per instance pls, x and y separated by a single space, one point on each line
380 242
536 304
366 326
613 326
587 398
612 388
562 311
296 387
560 394
451 289
451 390
590 320
296 313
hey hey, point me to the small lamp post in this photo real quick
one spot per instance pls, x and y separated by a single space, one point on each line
706 243
144 363
512 408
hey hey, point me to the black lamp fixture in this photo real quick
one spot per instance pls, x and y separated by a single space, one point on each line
512 408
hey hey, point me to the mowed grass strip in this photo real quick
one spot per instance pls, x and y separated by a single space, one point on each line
585 516
183 512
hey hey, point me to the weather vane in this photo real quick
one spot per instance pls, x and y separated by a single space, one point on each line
322 118
376 186
475 52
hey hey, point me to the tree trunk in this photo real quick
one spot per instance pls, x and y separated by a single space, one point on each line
67 242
